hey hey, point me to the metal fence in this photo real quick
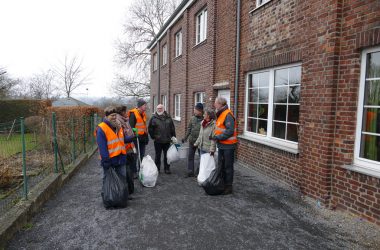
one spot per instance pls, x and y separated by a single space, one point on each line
34 147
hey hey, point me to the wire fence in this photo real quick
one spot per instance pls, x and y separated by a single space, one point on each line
32 148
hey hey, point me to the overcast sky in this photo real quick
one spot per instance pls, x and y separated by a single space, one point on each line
36 34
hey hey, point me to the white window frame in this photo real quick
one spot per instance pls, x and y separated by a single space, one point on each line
164 54
155 61
164 101
155 102
199 97
260 3
268 139
177 107
201 26
178 43
361 164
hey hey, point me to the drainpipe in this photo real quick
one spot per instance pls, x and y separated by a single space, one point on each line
237 57
159 73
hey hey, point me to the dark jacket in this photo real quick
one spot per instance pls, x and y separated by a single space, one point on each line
161 128
142 138
193 129
101 139
230 128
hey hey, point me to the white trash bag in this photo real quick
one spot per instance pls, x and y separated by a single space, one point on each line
148 172
207 165
172 155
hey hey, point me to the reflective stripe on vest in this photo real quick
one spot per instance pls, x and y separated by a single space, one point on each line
140 121
115 142
220 128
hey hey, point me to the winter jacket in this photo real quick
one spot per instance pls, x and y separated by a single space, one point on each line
203 142
193 129
161 128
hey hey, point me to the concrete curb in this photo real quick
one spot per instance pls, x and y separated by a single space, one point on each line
19 215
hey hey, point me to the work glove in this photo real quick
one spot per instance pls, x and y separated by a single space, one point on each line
174 140
183 140
211 137
212 153
136 131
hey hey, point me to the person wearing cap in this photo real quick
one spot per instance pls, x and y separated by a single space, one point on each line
192 134
112 143
225 135
162 131
137 120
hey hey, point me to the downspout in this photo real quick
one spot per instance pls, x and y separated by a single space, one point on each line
237 58
159 72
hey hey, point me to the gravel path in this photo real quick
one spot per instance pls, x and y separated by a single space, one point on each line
177 214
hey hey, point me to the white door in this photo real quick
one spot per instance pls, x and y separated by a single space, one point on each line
226 94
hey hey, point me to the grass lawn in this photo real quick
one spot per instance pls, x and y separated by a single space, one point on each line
13 145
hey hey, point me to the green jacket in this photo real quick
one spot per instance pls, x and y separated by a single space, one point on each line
203 142
193 129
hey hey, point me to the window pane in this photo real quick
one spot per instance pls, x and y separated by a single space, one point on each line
279 112
295 75
250 81
262 127
253 95
252 125
280 94
252 110
372 93
279 130
263 111
371 120
370 147
255 81
281 77
373 65
264 79
293 113
292 134
263 95
294 94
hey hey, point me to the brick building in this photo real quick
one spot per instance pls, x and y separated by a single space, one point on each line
305 78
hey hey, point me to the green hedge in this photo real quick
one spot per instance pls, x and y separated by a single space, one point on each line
12 109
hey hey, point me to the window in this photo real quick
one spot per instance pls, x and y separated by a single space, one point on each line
201 26
177 107
367 143
155 103
199 97
272 106
155 62
178 43
164 54
164 101
261 2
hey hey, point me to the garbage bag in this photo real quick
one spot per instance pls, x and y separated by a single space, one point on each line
214 185
172 155
148 172
114 190
207 164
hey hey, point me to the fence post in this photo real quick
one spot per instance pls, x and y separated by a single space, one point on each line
84 134
95 124
55 143
72 139
24 158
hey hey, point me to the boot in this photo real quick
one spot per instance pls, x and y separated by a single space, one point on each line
167 170
227 189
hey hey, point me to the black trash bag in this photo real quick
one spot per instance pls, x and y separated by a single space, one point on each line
214 185
131 184
114 190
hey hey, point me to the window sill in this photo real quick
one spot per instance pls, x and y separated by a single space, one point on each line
164 65
272 143
200 44
363 170
178 119
177 58
250 12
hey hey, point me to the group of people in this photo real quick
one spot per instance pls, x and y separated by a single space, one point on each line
123 133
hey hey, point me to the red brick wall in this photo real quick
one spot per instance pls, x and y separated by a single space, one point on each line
353 191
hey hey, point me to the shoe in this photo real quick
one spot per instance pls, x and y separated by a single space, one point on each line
167 171
189 174
227 190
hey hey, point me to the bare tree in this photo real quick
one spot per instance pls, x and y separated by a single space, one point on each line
7 84
145 19
71 75
42 85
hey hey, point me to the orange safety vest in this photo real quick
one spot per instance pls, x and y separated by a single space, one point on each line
115 142
220 128
140 121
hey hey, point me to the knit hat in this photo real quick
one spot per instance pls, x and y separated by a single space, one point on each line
199 106
140 102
